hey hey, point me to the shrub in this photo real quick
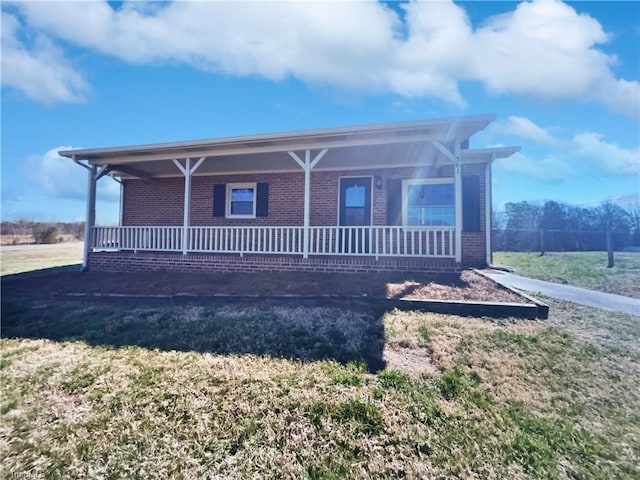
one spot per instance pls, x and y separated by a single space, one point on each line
45 234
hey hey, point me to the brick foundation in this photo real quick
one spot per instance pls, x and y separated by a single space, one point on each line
209 263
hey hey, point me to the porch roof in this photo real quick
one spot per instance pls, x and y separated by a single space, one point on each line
355 147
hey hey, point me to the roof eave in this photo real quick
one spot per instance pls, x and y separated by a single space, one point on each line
296 139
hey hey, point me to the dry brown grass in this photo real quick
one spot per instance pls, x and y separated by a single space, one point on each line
582 269
459 398
29 258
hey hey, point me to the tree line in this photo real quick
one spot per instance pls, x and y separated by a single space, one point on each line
555 226
22 231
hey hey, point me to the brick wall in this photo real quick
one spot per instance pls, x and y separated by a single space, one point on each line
473 243
160 201
155 261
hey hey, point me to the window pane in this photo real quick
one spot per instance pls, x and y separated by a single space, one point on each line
440 194
354 216
242 195
417 195
431 204
354 196
413 216
241 201
241 208
441 216
436 194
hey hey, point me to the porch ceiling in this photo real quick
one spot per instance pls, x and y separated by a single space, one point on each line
369 146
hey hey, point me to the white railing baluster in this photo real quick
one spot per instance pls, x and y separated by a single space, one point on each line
390 241
287 239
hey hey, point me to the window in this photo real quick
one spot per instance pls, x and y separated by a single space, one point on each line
241 200
354 210
429 202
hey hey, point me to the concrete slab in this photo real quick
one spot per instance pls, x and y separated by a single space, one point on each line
582 296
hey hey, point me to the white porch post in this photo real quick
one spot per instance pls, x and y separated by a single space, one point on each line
307 166
90 220
307 199
488 214
457 180
187 171
121 216
187 205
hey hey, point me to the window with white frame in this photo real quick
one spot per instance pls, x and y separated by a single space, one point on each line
241 200
428 202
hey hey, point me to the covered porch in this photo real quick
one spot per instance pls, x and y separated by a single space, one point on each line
434 150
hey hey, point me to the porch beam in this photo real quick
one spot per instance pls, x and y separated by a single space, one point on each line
134 172
307 165
102 171
457 181
446 152
187 170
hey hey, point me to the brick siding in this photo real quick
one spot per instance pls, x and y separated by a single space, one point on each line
160 202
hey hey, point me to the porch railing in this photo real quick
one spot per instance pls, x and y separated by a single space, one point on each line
378 241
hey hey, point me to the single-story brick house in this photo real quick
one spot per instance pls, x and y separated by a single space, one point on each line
407 196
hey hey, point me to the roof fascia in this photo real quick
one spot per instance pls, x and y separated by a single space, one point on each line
282 141
313 144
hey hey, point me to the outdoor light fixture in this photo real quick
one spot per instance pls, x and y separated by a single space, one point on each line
378 182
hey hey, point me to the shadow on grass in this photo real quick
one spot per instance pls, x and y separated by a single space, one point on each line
305 331
76 267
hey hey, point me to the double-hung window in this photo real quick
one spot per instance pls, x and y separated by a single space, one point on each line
428 202
241 200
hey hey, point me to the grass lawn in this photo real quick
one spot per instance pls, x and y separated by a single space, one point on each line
265 390
27 258
582 269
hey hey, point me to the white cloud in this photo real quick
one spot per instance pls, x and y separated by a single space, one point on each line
60 177
548 168
41 72
553 158
523 128
543 48
608 158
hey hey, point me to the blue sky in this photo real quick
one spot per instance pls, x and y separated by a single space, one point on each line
563 79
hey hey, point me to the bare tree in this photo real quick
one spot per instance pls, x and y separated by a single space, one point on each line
631 205
613 219
20 230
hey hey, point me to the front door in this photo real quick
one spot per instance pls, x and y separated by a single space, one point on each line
355 211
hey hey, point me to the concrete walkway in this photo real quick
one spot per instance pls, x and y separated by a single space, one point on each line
582 296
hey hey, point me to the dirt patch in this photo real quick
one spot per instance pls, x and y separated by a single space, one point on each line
416 362
467 285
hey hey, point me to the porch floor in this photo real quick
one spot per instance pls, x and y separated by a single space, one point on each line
466 285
